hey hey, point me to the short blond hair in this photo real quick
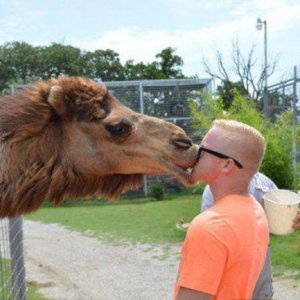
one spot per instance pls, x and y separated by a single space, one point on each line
246 142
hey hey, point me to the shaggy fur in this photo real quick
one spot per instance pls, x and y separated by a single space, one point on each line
33 166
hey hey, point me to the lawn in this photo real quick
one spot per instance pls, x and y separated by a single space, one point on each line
138 220
145 221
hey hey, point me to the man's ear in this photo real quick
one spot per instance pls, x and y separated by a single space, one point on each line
228 166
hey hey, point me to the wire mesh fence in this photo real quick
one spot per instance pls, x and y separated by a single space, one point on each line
12 269
165 99
284 95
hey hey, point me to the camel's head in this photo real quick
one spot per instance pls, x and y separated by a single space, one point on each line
69 137
103 137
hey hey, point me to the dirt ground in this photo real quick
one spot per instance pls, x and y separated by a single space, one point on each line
66 265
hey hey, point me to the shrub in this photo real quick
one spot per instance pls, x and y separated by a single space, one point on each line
157 191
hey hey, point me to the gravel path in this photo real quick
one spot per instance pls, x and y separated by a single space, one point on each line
66 265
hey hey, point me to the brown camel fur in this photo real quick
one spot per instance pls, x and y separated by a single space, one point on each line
69 137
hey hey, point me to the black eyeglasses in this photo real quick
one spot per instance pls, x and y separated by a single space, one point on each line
218 154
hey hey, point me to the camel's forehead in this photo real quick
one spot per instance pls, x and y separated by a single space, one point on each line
80 86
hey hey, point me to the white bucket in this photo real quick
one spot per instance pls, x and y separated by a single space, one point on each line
281 208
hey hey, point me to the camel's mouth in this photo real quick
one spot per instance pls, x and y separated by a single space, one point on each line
183 175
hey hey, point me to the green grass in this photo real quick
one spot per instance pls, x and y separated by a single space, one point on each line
139 220
5 273
5 279
33 294
142 220
285 253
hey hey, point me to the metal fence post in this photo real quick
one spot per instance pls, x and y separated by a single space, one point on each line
295 119
142 110
17 258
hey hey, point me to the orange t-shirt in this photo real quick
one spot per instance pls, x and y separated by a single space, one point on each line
225 249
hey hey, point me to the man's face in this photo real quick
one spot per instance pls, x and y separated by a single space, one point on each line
208 165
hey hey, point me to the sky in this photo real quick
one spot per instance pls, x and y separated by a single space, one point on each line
138 29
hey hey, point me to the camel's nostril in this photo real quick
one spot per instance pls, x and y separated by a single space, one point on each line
182 143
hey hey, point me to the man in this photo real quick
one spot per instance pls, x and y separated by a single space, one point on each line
225 246
259 185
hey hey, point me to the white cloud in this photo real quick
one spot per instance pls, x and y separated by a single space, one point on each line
192 44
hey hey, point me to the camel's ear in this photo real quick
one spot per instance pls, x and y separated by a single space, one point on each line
56 100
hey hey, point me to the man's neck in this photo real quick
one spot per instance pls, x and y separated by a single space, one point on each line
220 190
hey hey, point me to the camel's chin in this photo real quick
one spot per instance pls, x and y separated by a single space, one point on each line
134 181
183 175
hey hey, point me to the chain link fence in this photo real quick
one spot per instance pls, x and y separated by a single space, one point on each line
12 269
284 95
165 99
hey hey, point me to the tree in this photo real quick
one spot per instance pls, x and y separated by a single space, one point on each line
169 63
140 71
21 60
227 89
6 70
278 102
244 68
58 60
23 63
103 64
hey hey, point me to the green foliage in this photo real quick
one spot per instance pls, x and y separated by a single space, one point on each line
157 191
278 161
204 112
59 59
198 189
227 90
169 63
23 63
278 133
103 64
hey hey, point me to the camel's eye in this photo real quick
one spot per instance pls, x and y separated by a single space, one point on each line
120 129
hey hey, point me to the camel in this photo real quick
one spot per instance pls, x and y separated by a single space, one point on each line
69 137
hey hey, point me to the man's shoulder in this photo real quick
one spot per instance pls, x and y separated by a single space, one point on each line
211 220
204 219
261 181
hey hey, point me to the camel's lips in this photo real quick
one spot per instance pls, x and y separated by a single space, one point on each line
181 174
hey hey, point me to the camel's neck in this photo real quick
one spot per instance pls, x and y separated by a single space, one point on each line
28 154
